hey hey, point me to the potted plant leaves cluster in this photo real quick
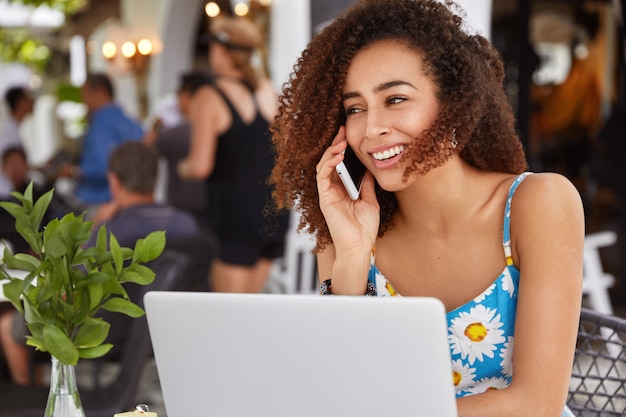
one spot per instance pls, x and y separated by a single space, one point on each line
64 285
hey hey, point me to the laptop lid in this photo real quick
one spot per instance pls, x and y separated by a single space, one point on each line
271 355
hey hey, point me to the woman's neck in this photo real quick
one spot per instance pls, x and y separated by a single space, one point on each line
444 197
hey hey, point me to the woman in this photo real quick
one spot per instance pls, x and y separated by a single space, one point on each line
230 146
446 203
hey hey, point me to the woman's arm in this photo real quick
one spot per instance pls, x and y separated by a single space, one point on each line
353 225
209 117
547 224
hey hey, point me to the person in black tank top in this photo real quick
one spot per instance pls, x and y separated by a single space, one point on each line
231 147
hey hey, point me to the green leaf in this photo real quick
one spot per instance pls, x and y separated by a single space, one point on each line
138 274
114 287
116 251
150 247
35 329
13 291
124 306
95 277
80 232
35 262
94 352
27 198
54 242
82 303
101 239
91 333
58 275
46 291
40 207
23 263
36 342
31 236
96 294
85 254
15 210
59 345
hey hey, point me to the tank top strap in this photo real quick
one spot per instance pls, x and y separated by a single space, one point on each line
506 232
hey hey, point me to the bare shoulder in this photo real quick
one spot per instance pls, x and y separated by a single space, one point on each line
207 95
208 107
547 212
546 191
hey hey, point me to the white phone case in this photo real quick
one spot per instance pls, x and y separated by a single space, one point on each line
346 178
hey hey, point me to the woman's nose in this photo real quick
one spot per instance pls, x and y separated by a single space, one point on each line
376 124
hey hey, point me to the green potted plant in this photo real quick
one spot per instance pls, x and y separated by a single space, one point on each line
66 285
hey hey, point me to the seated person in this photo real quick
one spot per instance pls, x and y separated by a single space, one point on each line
16 169
133 212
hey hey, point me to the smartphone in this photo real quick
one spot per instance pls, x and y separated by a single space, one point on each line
351 171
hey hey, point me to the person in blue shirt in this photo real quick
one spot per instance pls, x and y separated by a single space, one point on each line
109 127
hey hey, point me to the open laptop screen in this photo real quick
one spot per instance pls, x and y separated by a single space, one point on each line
300 355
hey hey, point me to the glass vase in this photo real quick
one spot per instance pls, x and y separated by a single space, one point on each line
63 400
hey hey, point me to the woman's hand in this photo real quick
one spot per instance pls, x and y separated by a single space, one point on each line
353 224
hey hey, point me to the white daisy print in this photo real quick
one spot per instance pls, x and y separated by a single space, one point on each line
507 357
485 294
462 375
475 334
487 384
383 287
507 283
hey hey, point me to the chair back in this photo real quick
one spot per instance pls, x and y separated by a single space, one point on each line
598 381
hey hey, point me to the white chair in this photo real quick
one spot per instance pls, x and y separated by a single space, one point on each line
596 282
296 272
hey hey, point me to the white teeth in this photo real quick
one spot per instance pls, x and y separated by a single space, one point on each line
388 153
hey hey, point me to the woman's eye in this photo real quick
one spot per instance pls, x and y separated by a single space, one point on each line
352 110
395 100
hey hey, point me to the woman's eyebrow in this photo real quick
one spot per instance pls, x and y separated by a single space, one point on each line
381 87
390 84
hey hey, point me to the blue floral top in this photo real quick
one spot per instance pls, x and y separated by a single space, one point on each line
481 332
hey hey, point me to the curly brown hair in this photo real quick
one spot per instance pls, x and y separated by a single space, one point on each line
465 68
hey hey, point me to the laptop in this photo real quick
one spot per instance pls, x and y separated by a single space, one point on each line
273 355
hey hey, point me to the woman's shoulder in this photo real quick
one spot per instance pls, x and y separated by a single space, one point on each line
546 196
545 187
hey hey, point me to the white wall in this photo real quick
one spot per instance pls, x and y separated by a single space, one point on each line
290 34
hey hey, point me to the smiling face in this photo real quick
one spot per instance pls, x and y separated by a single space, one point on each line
389 101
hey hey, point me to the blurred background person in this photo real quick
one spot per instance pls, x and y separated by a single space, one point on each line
15 167
133 213
231 147
172 144
108 127
20 103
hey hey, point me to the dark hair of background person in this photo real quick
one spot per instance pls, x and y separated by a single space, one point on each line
100 81
190 82
465 68
13 150
14 95
135 164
